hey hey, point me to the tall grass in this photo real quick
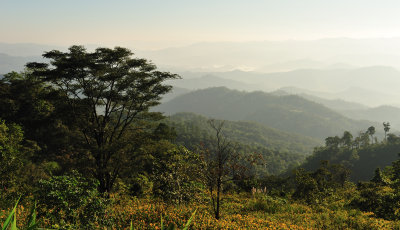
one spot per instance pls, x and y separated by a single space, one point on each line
173 226
11 221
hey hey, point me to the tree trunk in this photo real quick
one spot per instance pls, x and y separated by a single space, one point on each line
218 198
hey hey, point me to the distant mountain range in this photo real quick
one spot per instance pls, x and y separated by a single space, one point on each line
27 49
277 56
175 92
287 113
373 86
210 80
327 80
349 109
330 70
381 113
13 57
15 63
335 104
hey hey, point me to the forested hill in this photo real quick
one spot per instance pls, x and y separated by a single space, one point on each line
287 113
335 104
192 126
277 155
360 154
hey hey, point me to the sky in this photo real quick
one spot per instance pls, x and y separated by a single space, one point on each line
153 24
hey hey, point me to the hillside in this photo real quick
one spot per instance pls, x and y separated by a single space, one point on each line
210 80
176 91
287 113
279 150
361 159
249 133
381 113
335 104
367 85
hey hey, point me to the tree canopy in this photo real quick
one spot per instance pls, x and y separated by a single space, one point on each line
108 94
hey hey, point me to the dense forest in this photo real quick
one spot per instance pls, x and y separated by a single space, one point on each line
84 145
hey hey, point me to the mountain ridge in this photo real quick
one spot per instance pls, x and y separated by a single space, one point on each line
288 113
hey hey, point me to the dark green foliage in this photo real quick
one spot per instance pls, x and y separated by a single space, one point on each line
140 185
108 94
176 173
314 187
267 204
11 154
379 178
15 165
40 110
163 131
161 168
382 200
358 154
72 199
275 185
382 194
24 94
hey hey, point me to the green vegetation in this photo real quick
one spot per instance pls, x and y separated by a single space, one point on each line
291 113
80 146
361 154
279 150
11 221
250 133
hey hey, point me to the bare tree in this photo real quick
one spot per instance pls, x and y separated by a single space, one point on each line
217 156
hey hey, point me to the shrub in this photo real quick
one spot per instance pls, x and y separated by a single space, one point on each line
267 204
70 200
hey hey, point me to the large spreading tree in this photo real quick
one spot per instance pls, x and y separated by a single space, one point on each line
109 94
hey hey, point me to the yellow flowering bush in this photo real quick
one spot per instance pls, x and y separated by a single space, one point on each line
238 213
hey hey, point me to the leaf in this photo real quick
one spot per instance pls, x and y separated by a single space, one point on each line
8 220
14 223
10 216
189 221
32 217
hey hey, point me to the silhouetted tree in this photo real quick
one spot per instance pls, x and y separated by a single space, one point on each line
386 128
332 142
347 139
371 132
108 92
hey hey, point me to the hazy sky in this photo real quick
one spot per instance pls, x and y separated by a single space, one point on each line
163 23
